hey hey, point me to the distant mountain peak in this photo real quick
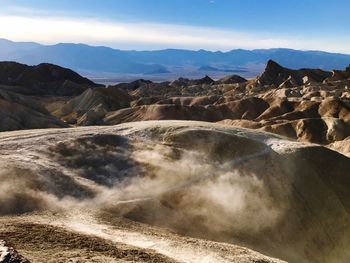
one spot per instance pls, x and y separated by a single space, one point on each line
207 79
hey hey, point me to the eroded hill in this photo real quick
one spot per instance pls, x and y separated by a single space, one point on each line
307 104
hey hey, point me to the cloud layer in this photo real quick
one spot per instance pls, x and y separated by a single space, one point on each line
50 30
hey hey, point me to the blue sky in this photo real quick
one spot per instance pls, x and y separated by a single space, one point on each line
193 24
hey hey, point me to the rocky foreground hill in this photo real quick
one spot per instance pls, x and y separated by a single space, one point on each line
172 191
166 189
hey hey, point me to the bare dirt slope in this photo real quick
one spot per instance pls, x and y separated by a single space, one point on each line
76 193
108 194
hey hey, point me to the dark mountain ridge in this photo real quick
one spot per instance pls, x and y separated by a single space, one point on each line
42 79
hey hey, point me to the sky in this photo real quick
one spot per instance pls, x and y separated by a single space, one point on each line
189 24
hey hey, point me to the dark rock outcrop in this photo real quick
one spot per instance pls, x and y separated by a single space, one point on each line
43 79
10 255
133 85
338 75
232 79
275 74
189 82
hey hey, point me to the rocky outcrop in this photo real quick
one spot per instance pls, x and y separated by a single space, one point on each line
232 79
277 75
189 82
43 79
10 255
202 81
338 75
89 108
318 122
133 85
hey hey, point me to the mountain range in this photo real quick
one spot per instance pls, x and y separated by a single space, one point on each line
107 63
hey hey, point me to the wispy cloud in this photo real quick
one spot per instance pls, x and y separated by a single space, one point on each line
51 30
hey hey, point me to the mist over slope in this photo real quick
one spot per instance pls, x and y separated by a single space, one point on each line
286 199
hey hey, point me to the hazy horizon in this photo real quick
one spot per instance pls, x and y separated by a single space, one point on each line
171 48
200 24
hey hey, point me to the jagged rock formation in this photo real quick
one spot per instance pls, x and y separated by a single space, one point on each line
319 122
275 75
